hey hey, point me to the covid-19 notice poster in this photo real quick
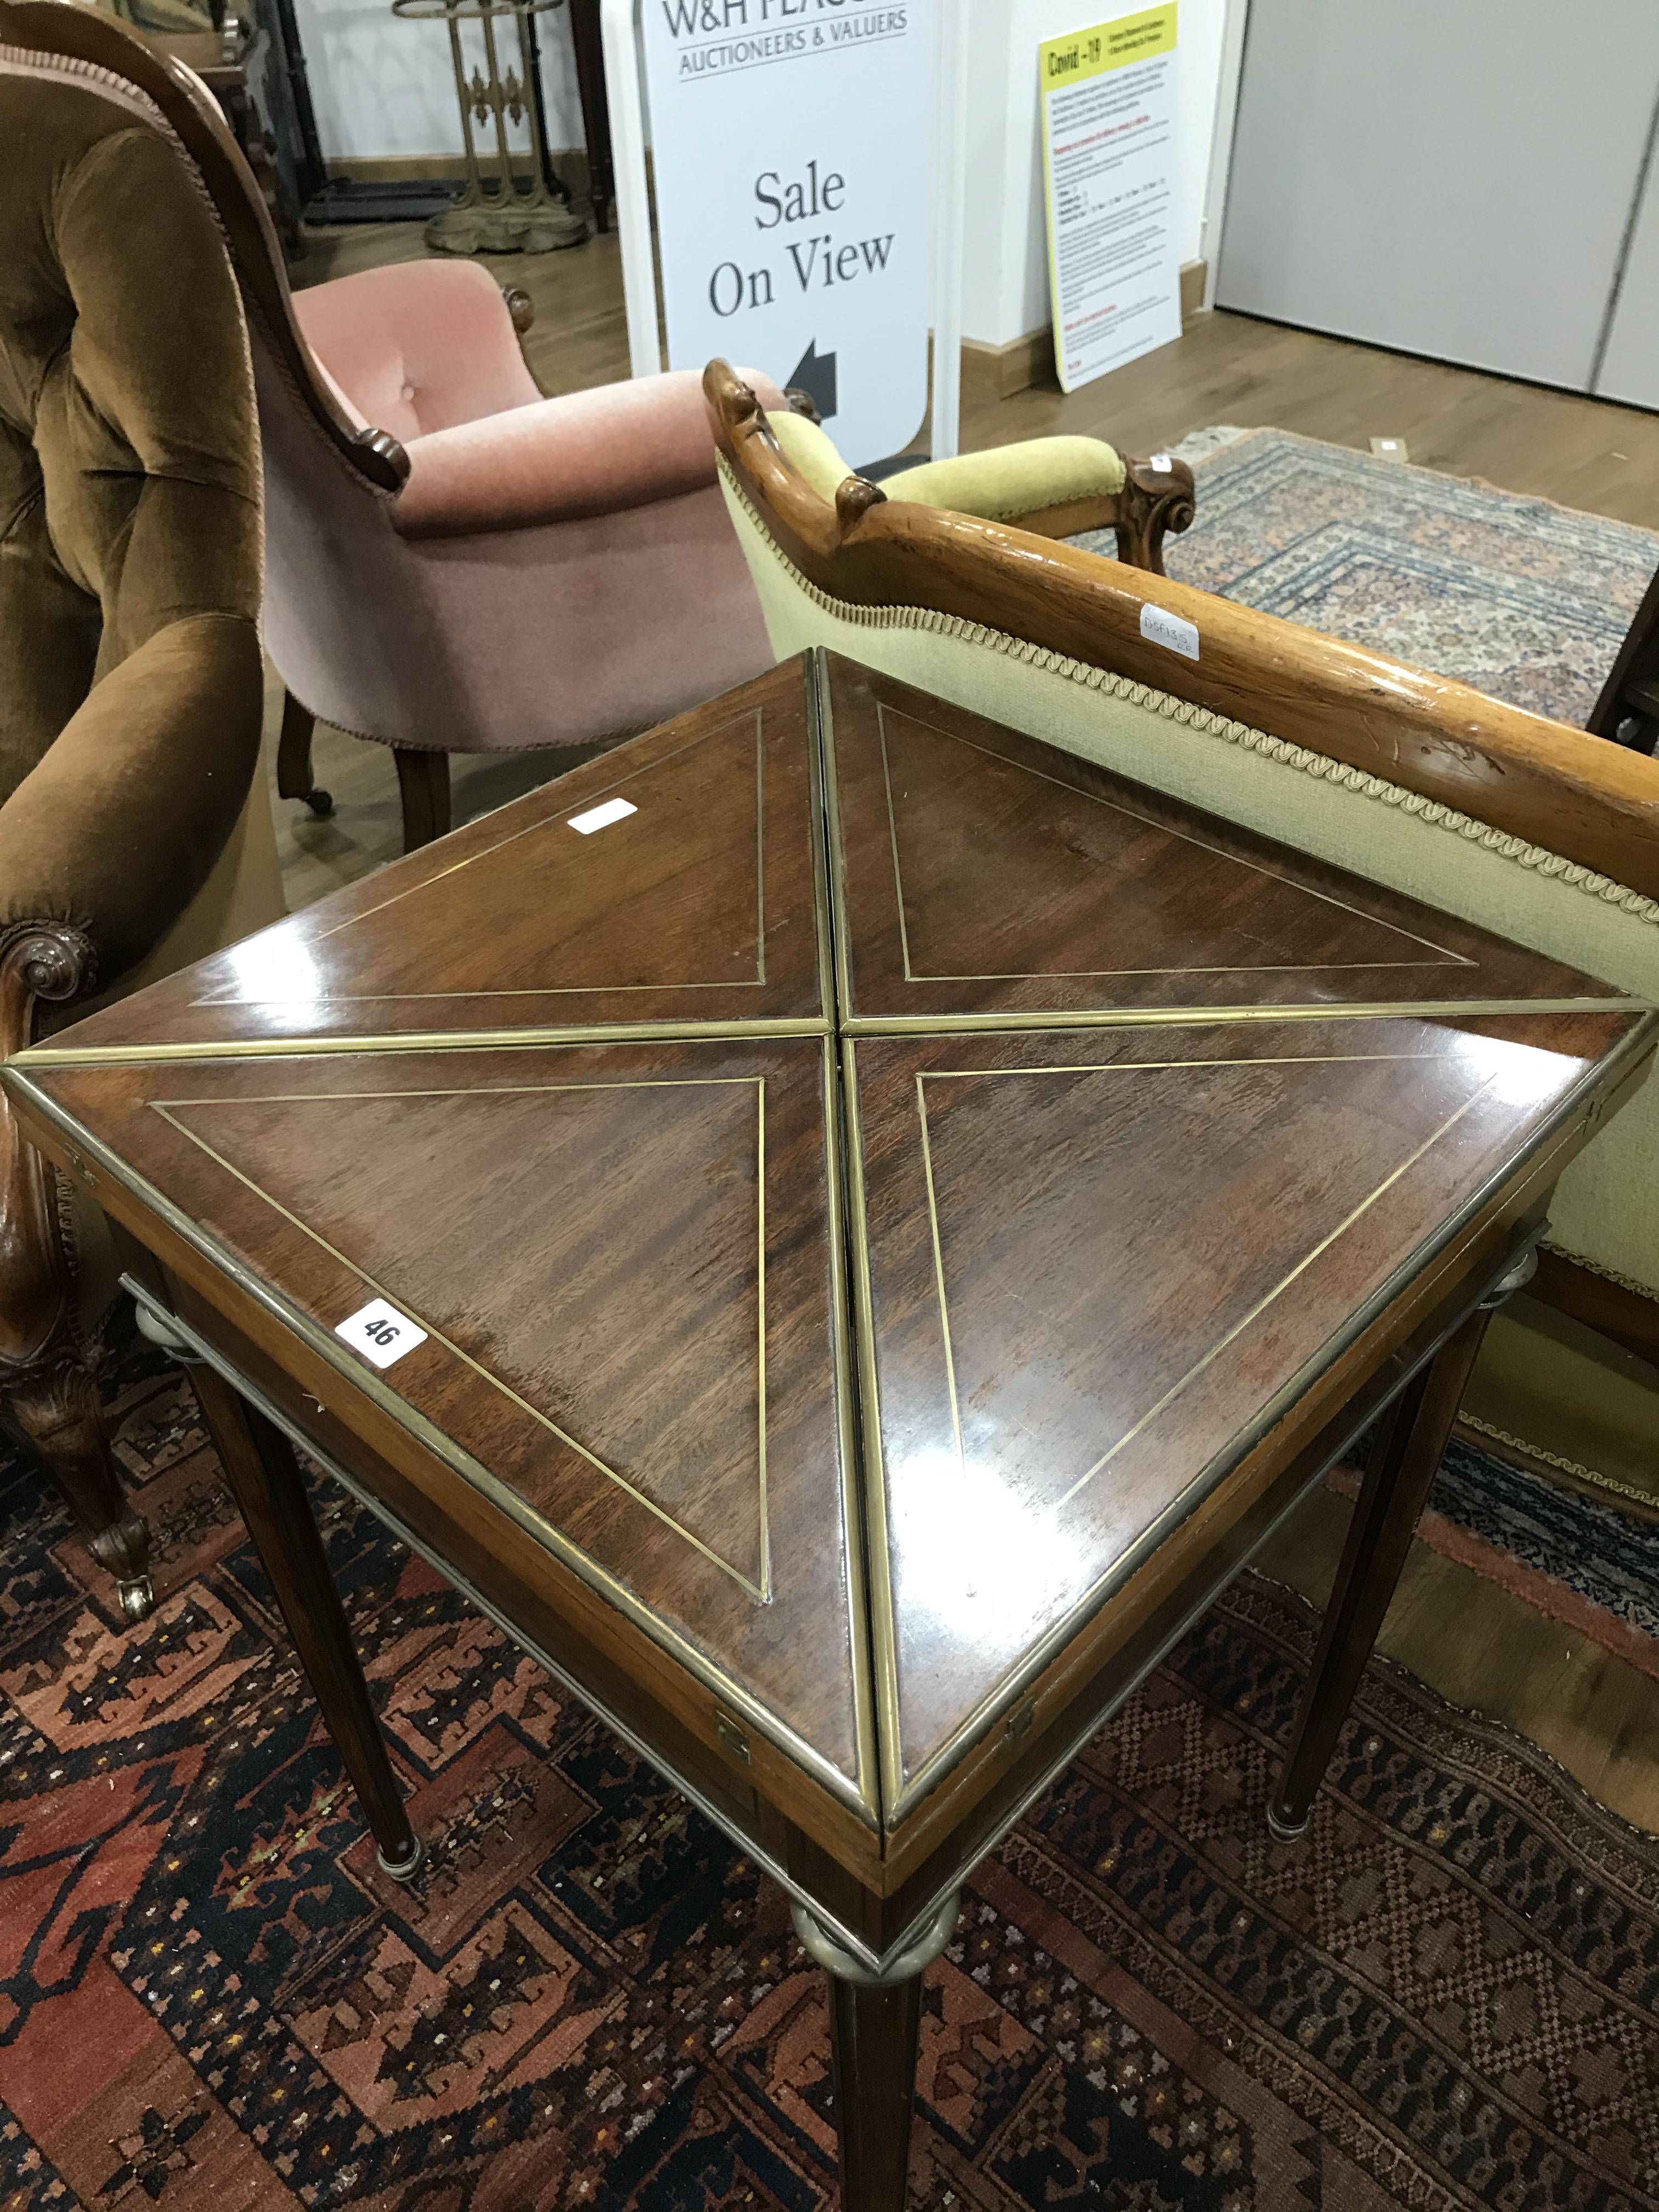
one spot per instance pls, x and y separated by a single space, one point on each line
1108 99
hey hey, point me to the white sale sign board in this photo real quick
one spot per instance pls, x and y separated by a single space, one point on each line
791 144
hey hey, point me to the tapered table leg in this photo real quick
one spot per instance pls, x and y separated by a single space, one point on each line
1391 1501
875 2021
265 1476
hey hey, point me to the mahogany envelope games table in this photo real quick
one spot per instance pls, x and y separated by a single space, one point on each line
842 1227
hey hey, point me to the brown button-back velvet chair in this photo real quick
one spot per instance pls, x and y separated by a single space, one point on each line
132 837
1522 825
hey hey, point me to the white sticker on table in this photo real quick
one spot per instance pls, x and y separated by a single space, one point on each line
380 1332
1162 628
601 817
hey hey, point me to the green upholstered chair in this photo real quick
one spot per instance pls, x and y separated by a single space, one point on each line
1539 832
1053 486
134 834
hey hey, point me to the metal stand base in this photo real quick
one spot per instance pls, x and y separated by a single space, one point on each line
1283 1831
506 230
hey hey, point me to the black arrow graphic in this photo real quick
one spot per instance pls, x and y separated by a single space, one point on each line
814 374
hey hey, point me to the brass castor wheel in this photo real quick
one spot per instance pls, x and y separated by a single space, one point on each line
136 1595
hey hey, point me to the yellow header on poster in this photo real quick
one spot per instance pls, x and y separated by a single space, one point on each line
1082 54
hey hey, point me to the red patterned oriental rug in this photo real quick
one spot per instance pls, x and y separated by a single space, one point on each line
211 2001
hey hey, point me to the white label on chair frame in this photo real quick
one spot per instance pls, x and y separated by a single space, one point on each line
791 143
1174 631
380 1332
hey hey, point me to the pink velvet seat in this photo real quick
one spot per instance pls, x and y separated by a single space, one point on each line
473 568
452 561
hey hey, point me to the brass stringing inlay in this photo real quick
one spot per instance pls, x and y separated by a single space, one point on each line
1138 1067
761 1591
1443 956
550 821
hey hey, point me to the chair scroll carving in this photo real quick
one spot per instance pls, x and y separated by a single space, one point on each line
1154 501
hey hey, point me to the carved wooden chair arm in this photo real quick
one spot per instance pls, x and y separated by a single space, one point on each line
1157 497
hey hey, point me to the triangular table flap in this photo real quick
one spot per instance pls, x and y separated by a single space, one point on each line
983 878
1095 1258
673 884
620 1259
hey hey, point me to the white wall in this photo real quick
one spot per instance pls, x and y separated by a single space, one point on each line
384 86
1005 276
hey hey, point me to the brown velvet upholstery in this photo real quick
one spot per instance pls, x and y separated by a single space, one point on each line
130 690
128 526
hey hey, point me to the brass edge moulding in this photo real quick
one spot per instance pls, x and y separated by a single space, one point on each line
904 1796
528 1039
858 1595
459 1463
1112 1017
883 1640
837 851
814 688
583 1694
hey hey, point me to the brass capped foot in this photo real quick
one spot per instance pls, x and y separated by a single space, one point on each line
404 1869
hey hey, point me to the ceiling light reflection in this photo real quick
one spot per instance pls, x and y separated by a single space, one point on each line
274 966
1519 1075
969 1548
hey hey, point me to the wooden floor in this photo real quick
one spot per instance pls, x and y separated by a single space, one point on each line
1472 1640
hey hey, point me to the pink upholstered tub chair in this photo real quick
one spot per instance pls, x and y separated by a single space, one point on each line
549 573
452 561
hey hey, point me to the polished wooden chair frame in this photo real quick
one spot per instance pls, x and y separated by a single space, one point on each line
1587 804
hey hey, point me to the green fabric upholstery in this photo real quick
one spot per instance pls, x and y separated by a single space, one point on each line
130 522
1004 481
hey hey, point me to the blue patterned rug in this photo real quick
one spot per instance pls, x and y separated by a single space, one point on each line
1525 600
